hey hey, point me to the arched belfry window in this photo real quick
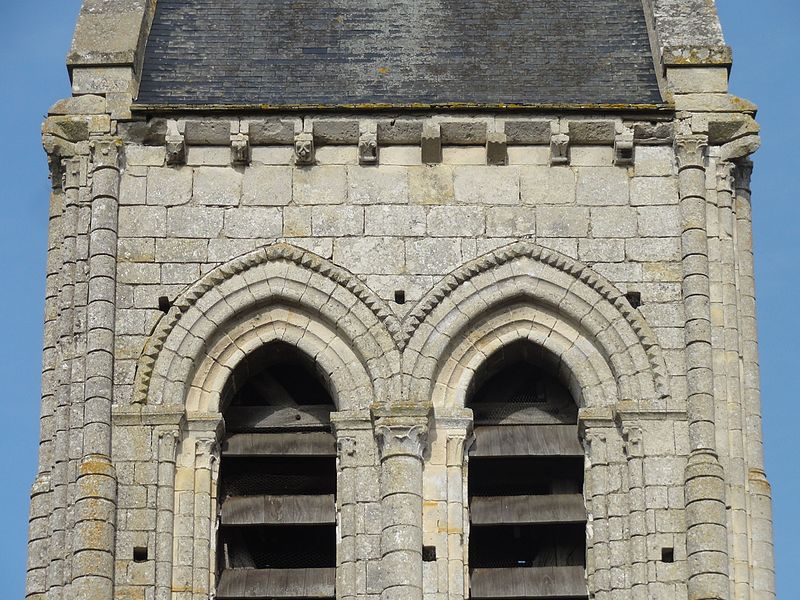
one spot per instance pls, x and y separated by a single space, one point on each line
277 482
527 514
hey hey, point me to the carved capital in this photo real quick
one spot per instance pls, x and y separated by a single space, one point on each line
595 444
105 154
72 173
725 177
690 150
206 452
743 172
167 445
455 450
632 435
401 439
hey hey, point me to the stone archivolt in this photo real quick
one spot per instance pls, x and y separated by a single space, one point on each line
604 347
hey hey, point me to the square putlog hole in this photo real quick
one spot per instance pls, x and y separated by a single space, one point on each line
140 554
668 555
429 553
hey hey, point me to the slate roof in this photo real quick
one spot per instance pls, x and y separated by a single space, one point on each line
398 52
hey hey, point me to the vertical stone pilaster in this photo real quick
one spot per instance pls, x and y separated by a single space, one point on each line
401 430
598 552
728 373
637 521
206 456
183 528
66 351
759 493
357 498
167 447
707 540
93 571
457 516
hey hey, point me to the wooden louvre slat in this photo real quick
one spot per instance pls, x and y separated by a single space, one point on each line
534 582
279 510
276 583
309 443
526 440
514 510
266 418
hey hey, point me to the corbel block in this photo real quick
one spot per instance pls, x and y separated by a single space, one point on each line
559 149
304 151
431 143
496 148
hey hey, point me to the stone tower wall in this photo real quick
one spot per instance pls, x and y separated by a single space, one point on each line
399 251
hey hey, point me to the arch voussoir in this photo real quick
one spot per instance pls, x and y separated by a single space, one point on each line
598 342
279 293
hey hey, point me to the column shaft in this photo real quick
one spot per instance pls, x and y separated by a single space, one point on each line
402 433
706 533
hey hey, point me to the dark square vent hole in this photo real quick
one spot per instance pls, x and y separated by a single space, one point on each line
668 555
164 304
140 554
400 296
429 553
634 298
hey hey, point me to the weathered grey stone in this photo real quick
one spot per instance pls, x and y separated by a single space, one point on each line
181 250
654 190
336 131
207 133
659 221
377 255
452 221
614 222
601 250
433 256
189 221
463 133
655 161
212 156
528 132
544 185
381 185
400 132
395 220
297 221
149 156
602 186
431 185
267 186
217 186
320 185
592 132
268 132
168 186
337 220
486 185
142 221
510 221
431 143
256 222
562 221
496 149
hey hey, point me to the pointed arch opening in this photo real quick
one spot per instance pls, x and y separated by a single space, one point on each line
525 480
277 479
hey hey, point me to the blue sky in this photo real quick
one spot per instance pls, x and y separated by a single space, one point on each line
34 38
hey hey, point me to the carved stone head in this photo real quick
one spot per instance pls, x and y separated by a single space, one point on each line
304 149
